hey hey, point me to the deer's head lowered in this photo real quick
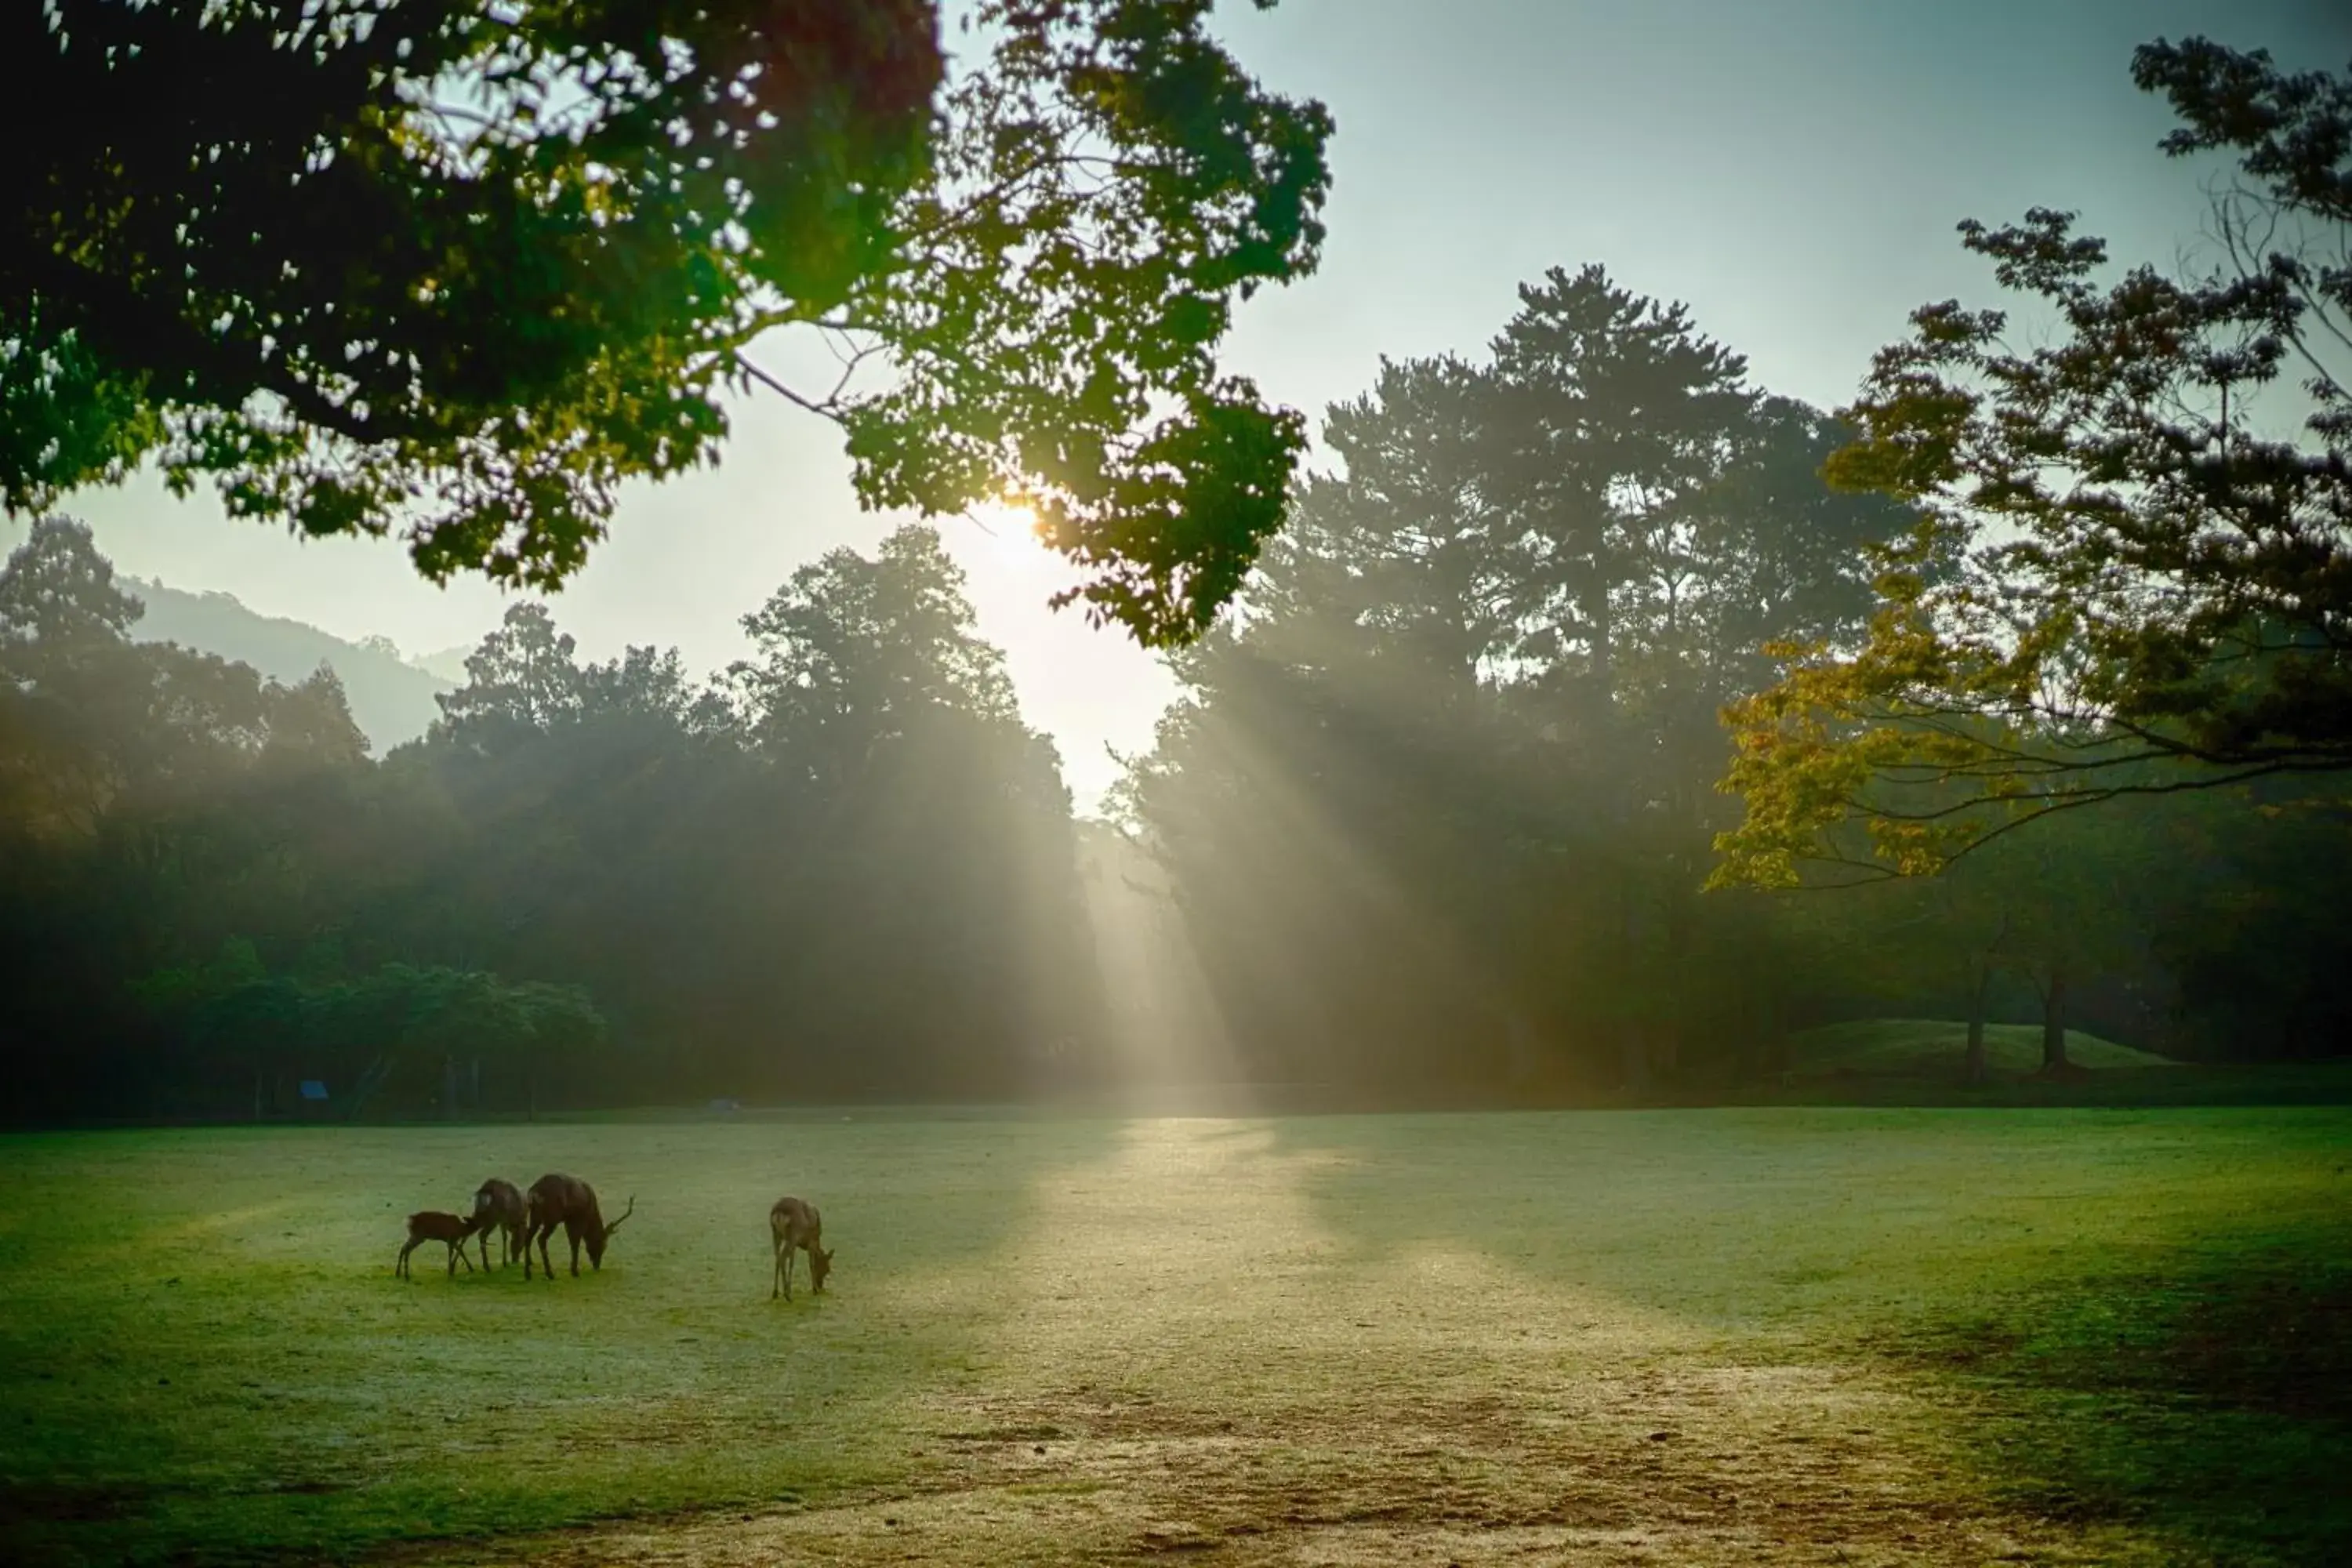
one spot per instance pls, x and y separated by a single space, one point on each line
596 1232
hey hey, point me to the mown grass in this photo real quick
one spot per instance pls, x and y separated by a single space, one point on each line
1734 1336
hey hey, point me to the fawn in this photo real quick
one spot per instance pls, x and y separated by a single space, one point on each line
432 1224
792 1224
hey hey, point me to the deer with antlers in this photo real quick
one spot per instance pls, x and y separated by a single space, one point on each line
432 1224
793 1225
499 1207
570 1203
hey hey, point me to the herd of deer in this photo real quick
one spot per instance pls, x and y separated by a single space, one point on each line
522 1218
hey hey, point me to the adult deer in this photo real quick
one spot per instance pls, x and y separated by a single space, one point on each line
793 1224
570 1203
500 1205
432 1224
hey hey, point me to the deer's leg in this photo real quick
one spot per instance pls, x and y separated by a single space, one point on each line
572 1235
400 1269
788 1269
484 1236
460 1250
546 1264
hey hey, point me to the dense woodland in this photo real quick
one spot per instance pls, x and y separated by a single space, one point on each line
1444 794
842 867
1434 816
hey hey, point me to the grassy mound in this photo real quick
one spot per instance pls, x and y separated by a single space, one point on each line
1933 1047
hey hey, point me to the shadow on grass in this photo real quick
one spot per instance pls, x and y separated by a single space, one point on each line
205 1357
2212 1410
2132 1322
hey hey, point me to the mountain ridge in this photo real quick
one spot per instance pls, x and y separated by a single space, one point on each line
392 697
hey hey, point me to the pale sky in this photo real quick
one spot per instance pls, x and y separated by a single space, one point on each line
1793 169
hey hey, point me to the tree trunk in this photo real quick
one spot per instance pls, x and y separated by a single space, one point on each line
1972 1069
1776 1033
1520 1051
1666 1052
368 1083
1637 1058
1600 630
1633 1045
2053 1022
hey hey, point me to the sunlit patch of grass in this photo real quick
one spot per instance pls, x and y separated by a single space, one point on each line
1720 1337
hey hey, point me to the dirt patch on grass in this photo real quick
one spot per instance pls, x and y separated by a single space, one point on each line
1753 1465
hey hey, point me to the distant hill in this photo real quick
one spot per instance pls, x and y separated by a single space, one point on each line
449 664
391 698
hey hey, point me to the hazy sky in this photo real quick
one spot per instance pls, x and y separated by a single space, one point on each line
1791 168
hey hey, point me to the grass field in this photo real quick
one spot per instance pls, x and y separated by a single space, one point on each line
1855 1336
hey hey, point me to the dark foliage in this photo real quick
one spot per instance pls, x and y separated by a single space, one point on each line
458 272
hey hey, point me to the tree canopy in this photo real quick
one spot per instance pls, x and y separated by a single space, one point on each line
1436 799
2132 569
454 274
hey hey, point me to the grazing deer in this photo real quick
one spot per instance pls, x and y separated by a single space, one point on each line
499 1206
792 1224
570 1203
432 1224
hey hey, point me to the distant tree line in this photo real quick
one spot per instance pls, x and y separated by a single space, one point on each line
1439 799
843 868
1433 815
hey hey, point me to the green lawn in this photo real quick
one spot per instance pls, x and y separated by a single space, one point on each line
1724 1337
